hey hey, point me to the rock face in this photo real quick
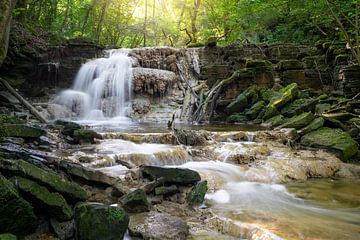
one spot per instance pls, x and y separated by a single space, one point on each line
158 226
6 8
333 139
171 175
96 221
16 215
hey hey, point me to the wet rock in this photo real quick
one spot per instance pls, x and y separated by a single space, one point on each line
314 125
57 111
21 130
298 106
85 136
180 176
52 203
46 178
239 117
158 226
335 140
166 190
275 121
68 128
249 96
190 137
141 106
299 121
286 94
135 202
255 109
16 215
96 221
197 194
63 230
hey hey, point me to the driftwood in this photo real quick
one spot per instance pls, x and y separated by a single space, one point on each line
32 110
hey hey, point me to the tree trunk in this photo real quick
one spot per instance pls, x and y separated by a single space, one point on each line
6 8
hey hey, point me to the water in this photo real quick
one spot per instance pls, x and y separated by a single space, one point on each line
102 88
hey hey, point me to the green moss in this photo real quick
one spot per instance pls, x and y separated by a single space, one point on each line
298 106
135 202
276 121
299 121
237 118
5 118
270 112
197 194
7 236
255 109
115 215
248 96
315 124
21 130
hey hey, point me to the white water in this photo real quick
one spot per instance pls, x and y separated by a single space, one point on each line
102 88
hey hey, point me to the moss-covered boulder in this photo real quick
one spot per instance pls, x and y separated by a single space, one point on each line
181 176
96 221
286 94
166 190
247 97
51 180
67 128
335 140
8 236
51 203
298 106
269 112
255 109
135 202
197 194
268 94
275 121
237 118
86 136
21 130
258 64
299 121
10 119
291 64
322 107
16 214
315 124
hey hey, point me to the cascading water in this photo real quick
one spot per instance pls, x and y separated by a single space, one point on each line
102 88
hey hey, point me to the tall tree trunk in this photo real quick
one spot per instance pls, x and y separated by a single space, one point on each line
87 15
6 8
145 22
101 20
194 15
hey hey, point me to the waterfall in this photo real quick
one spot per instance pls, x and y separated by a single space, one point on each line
102 88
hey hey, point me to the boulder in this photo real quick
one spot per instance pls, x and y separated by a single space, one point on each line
335 140
269 112
135 202
44 177
63 230
7 236
197 194
255 109
315 124
86 136
181 176
298 106
52 203
166 190
96 221
21 130
190 137
237 118
286 94
158 226
275 121
57 111
299 121
291 64
16 214
249 96
68 128
322 107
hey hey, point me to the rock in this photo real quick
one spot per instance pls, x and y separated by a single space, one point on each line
290 65
275 121
52 203
190 137
63 230
16 215
299 121
68 128
298 106
57 111
322 107
7 236
269 112
350 76
268 94
86 136
21 130
197 194
135 202
141 106
255 109
249 96
286 94
5 118
315 124
335 140
180 176
95 221
158 226
166 190
46 178
237 118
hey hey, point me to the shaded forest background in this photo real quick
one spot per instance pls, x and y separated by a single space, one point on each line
135 23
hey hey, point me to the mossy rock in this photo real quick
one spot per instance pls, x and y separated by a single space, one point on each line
51 180
166 190
268 94
21 130
287 94
298 106
96 221
269 112
322 107
86 136
258 63
16 214
7 236
275 121
195 45
197 194
255 109
9 119
335 140
135 202
247 97
299 121
52 203
68 128
181 176
314 125
237 118
291 64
